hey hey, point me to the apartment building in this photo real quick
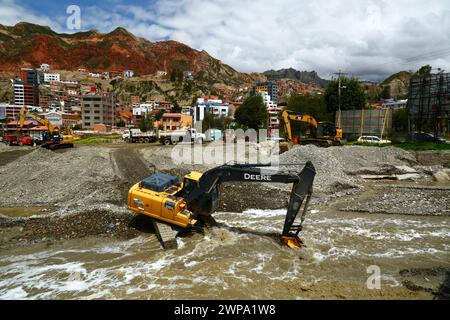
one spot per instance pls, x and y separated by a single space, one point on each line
174 121
51 77
26 89
212 105
270 87
97 108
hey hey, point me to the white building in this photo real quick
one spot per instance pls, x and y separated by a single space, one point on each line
44 67
54 117
213 106
142 109
19 94
128 73
267 100
395 104
51 77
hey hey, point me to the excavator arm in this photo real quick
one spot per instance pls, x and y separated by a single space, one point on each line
204 195
41 121
289 116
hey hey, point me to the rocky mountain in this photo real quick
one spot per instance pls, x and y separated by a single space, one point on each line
27 44
398 83
303 76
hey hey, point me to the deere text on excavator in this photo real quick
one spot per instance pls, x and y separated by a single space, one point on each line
322 134
52 138
190 203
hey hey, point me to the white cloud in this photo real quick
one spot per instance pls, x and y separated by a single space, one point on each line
11 13
367 38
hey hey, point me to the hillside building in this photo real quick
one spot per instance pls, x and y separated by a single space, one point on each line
97 108
269 87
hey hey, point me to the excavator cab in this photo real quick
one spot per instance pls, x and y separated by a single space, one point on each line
207 203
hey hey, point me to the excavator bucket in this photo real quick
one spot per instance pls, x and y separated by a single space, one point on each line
301 194
292 241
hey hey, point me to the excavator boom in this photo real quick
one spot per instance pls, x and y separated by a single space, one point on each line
203 198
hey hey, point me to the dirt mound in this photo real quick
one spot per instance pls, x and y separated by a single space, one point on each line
335 165
42 177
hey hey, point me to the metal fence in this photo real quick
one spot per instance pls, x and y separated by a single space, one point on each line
371 122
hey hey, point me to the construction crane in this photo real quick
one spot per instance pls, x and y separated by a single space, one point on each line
323 134
52 138
189 204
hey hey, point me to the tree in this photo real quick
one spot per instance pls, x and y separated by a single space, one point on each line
352 95
252 114
313 105
400 120
212 122
146 124
121 123
386 93
423 71
158 115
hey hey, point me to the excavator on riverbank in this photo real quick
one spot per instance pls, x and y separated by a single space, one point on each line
190 203
322 134
52 138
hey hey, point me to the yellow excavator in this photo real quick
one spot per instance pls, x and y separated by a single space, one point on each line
52 139
323 134
189 204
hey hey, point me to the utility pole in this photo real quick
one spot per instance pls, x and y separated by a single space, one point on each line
339 74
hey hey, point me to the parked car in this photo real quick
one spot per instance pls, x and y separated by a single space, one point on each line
424 137
373 139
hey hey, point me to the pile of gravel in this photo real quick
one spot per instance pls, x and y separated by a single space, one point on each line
75 177
335 166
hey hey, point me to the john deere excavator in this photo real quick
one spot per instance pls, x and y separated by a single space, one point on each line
190 203
53 139
323 134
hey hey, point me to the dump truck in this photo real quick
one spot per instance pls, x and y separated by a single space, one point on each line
190 203
18 139
135 135
181 135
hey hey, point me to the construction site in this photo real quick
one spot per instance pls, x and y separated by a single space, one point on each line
67 231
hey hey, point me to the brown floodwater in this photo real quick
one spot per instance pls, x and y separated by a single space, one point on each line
21 212
241 260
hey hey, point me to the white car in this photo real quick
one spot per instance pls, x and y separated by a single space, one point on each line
373 139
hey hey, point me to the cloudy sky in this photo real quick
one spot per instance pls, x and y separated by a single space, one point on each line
368 39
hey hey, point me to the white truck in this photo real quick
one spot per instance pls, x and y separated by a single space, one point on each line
182 135
135 135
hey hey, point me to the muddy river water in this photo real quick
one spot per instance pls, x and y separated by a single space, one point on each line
241 260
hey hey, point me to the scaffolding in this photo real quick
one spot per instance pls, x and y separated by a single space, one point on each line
429 103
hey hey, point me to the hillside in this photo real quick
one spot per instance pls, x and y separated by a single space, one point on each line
302 76
29 45
398 83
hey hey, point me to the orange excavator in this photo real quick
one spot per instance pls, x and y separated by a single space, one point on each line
322 134
190 203
52 138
